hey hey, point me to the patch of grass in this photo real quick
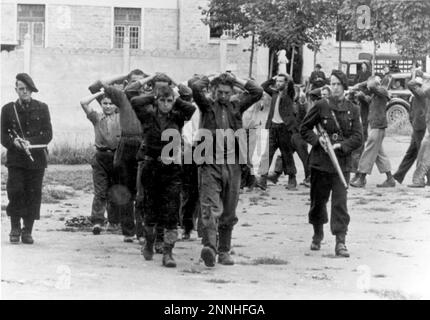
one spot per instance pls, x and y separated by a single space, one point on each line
66 153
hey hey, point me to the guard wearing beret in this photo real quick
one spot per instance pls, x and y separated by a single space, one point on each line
25 132
341 120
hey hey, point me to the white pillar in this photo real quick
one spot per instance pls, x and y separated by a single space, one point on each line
223 53
126 56
27 53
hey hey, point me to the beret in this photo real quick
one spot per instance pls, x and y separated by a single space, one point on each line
342 78
318 66
24 77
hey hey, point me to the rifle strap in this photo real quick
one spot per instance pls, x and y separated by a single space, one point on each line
19 122
337 123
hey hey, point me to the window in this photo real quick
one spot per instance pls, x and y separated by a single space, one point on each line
217 32
31 19
127 23
342 31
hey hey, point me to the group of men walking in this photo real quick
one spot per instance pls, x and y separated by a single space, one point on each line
148 195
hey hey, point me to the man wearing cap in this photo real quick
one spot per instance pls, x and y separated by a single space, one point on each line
25 132
341 119
317 79
419 105
373 150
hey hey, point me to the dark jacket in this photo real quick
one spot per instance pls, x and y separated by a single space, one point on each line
286 105
419 107
36 124
317 83
211 110
153 127
378 98
350 137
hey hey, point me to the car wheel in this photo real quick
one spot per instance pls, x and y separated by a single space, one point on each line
397 114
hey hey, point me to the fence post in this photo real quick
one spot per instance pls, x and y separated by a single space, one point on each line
126 56
27 53
223 53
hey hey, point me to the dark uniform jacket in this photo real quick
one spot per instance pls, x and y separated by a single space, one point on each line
317 83
153 126
286 105
36 124
419 107
350 135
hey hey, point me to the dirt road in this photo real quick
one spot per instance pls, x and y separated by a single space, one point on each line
389 241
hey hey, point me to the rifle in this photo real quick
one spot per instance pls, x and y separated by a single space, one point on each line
332 154
14 135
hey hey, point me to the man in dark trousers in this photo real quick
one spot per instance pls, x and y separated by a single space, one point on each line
282 124
341 119
25 131
125 163
160 179
220 178
418 112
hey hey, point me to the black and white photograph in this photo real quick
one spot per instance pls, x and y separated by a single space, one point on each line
215 150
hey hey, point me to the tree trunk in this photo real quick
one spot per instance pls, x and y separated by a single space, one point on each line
292 62
251 59
271 63
315 58
340 51
374 58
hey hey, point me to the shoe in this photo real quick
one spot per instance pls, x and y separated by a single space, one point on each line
168 260
306 183
225 258
292 183
208 255
416 185
113 227
397 179
97 229
341 250
261 183
389 183
27 238
251 182
356 177
186 235
359 183
15 236
158 247
317 237
128 239
148 251
273 177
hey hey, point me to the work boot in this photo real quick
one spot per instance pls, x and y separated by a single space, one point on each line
26 231
389 183
170 238
262 182
15 232
341 250
97 229
208 255
318 237
306 182
356 176
292 183
274 177
224 246
148 248
416 185
360 182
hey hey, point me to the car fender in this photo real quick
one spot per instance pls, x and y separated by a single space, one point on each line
400 101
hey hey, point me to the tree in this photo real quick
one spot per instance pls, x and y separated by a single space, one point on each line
412 35
277 24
